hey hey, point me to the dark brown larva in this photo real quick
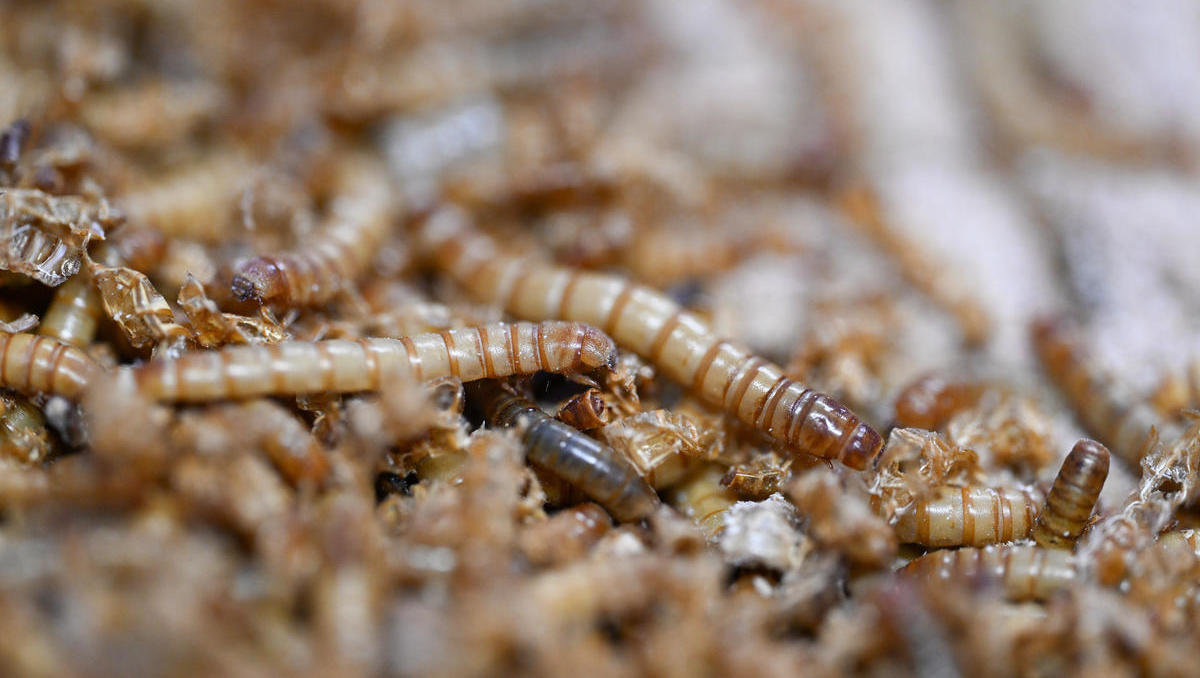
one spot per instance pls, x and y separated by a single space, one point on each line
583 462
1073 495
646 322
345 366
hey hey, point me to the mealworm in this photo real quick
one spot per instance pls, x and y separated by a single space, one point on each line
152 114
195 202
31 364
583 462
968 516
585 411
23 432
1178 391
1024 572
336 256
651 325
702 498
1106 409
931 401
73 313
1073 495
345 366
1187 538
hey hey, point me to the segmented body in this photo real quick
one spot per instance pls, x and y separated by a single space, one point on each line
583 462
73 313
336 256
23 433
1073 495
1023 572
703 498
646 322
1106 409
344 366
195 202
32 364
969 516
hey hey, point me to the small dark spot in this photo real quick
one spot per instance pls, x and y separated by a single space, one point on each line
388 483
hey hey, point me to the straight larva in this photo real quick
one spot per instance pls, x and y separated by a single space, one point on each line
334 258
584 462
1073 495
73 313
969 516
344 366
33 364
651 325
1023 572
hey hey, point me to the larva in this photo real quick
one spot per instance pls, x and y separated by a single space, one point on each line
1181 539
1106 409
195 202
702 498
1073 495
1023 572
585 411
968 516
23 433
337 255
73 312
583 462
931 401
32 364
345 366
651 325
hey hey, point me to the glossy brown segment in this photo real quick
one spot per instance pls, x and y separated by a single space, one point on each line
1073 495
648 323
1022 572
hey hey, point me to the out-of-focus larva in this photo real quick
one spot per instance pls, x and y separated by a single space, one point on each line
701 497
195 202
335 256
73 312
566 536
1177 392
651 325
585 411
153 114
131 300
583 462
863 209
43 236
23 432
931 401
138 248
31 364
1073 495
345 366
1186 538
1106 409
1023 572
665 256
969 516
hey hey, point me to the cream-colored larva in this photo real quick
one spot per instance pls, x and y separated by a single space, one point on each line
1023 572
344 366
969 516
33 364
646 322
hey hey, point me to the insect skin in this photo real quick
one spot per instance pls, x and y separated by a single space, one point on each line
646 322
578 459
585 411
1073 495
345 366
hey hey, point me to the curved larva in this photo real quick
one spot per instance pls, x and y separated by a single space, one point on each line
646 322
1073 495
195 202
1024 572
74 312
969 516
345 366
334 257
584 462
33 364
1111 414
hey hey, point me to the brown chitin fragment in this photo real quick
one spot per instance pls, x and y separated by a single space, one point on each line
1022 572
1106 409
1073 495
24 436
969 516
43 236
585 411
132 301
211 328
648 323
336 256
578 459
346 366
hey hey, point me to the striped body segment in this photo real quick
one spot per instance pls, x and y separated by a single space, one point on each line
1022 572
969 516
1073 495
33 364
